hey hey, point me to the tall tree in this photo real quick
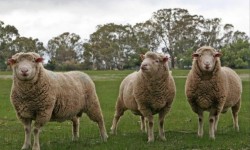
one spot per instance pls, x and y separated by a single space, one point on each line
146 35
210 32
111 46
8 33
23 44
177 29
66 47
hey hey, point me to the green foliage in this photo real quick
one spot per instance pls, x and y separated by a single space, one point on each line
65 51
180 124
236 55
185 61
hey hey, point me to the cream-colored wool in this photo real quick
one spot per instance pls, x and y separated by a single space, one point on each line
210 87
149 91
41 95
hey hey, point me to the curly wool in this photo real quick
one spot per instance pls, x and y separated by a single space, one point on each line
214 91
144 94
154 92
51 96
68 94
221 84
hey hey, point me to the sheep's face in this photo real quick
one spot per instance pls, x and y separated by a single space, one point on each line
206 59
25 65
153 63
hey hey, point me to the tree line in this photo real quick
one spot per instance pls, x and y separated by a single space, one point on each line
114 46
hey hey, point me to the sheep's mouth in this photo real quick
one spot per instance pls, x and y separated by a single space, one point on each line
207 67
144 68
25 74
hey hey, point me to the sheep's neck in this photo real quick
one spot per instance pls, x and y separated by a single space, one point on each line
157 78
29 86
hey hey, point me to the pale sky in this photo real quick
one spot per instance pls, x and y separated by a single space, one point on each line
45 19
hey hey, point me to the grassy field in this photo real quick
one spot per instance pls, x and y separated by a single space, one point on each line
180 123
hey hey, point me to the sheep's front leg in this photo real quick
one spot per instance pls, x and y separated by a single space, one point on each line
149 117
27 129
213 119
200 124
36 132
162 115
41 118
75 128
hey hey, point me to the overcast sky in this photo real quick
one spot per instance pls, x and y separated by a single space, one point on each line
45 19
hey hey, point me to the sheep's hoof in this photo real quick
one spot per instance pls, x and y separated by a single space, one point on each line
163 138
200 135
237 129
105 138
212 137
26 146
74 139
151 140
112 132
35 148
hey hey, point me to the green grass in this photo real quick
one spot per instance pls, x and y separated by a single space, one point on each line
180 123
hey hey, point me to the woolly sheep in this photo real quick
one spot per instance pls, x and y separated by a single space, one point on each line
149 91
210 87
42 95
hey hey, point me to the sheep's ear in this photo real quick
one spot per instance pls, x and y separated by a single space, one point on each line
11 61
165 59
142 57
217 54
195 55
40 59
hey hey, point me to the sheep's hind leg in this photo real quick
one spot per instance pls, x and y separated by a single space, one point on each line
75 128
143 128
94 113
27 129
235 110
118 113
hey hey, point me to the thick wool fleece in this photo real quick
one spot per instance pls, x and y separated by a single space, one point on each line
42 95
147 94
214 91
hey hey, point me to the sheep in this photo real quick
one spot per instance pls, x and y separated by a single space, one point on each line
41 96
210 87
147 92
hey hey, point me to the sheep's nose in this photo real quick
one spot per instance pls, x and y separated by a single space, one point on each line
207 63
24 70
144 66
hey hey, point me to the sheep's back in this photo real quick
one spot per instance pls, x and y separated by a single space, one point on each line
72 90
234 87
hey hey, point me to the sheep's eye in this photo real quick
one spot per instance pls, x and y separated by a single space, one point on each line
157 61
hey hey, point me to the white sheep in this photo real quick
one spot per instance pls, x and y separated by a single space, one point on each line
210 87
41 95
149 91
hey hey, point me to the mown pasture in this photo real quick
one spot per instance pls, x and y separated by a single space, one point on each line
180 124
